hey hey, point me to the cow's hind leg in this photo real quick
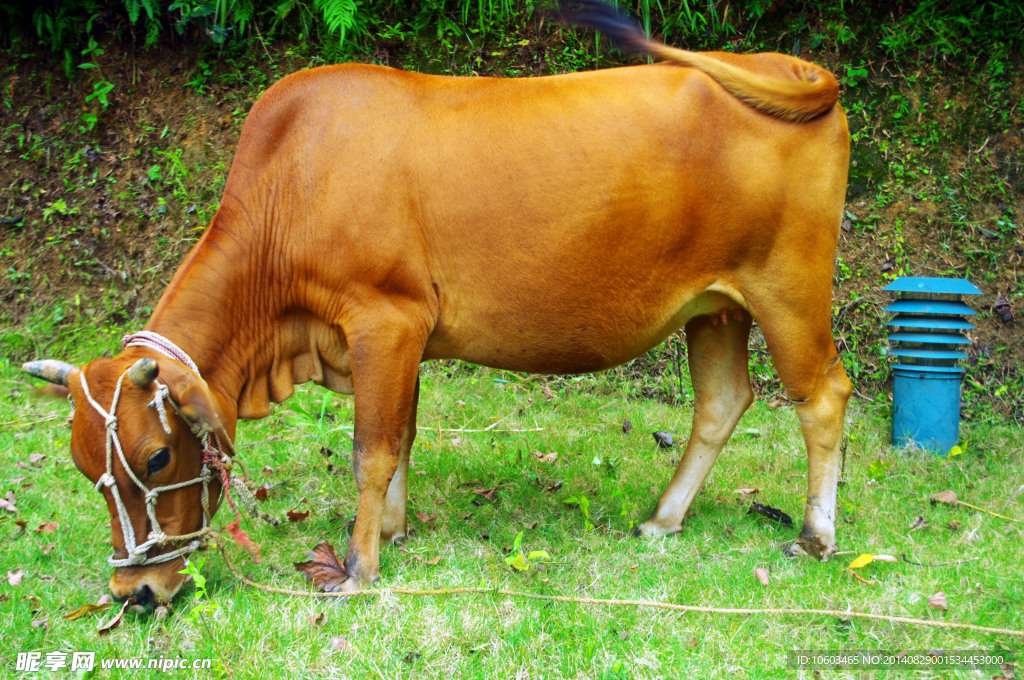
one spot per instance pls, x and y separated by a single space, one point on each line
385 368
798 332
717 350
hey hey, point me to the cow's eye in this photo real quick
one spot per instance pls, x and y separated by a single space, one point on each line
159 460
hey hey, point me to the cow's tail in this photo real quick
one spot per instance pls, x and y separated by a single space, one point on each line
811 92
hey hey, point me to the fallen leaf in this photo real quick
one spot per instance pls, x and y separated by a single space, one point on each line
919 523
420 472
456 442
634 567
317 619
531 525
554 487
947 496
424 517
771 513
664 439
545 457
14 577
486 493
48 548
955 451
433 561
323 568
87 609
412 657
623 635
40 623
953 526
340 644
36 459
267 470
885 558
105 598
294 516
547 392
748 493
627 426
861 578
762 575
262 492
47 528
938 601
862 561
8 506
4 597
116 621
777 403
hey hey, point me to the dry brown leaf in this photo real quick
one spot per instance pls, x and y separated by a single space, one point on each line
262 492
919 523
36 459
545 457
48 548
47 528
456 442
87 609
762 575
340 644
105 598
14 577
7 505
424 517
486 493
41 623
634 567
323 568
627 426
948 496
885 558
433 561
867 582
317 619
267 470
777 403
938 601
116 621
295 516
748 493
547 392
953 526
531 525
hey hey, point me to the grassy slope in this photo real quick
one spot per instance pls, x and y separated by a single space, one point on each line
710 563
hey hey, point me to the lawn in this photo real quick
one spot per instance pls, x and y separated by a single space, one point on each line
505 460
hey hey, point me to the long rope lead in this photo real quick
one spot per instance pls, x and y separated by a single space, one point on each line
647 604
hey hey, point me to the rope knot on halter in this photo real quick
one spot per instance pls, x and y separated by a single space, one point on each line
106 479
110 421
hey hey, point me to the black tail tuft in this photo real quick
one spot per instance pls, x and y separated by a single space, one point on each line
618 26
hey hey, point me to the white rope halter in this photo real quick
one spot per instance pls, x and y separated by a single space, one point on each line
212 453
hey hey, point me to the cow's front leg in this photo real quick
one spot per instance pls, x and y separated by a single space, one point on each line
385 365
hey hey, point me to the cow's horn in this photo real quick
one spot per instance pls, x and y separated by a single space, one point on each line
54 371
143 372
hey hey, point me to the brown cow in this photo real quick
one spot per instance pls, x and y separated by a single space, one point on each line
374 219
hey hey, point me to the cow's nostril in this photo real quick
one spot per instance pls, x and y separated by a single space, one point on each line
143 595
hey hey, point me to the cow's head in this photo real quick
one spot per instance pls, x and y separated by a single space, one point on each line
162 410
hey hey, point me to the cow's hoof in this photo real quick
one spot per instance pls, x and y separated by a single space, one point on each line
652 529
813 546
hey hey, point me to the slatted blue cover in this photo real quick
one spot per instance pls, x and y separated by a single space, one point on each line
929 307
936 354
942 323
932 338
910 369
932 285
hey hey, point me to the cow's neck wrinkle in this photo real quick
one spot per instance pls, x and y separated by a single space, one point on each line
251 348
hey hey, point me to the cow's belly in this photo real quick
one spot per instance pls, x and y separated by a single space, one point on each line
575 338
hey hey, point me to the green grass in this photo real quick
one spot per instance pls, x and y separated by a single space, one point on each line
255 634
